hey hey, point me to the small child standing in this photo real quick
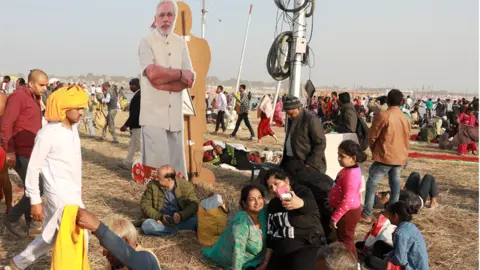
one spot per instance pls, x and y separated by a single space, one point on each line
345 194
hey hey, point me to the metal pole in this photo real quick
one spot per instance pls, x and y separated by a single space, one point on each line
243 53
204 17
298 49
277 92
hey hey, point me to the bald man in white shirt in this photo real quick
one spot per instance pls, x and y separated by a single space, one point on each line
166 71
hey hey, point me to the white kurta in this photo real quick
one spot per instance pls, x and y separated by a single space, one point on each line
57 155
161 108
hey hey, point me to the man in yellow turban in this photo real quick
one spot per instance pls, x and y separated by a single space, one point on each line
72 100
57 156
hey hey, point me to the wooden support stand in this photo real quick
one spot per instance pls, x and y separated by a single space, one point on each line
195 126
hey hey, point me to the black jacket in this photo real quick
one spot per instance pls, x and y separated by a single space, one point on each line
133 120
308 140
347 119
237 158
289 231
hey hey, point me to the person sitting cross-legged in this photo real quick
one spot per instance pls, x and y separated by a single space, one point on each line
170 204
242 244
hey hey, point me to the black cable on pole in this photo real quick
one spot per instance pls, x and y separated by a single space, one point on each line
281 5
278 70
280 53
311 30
312 9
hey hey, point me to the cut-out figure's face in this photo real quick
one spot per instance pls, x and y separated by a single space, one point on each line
165 18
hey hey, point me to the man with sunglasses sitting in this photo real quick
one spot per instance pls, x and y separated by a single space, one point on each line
170 204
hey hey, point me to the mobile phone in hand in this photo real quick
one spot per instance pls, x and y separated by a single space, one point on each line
283 193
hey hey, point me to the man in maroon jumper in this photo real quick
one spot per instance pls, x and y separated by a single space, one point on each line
21 122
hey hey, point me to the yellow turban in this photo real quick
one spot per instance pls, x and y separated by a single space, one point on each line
64 99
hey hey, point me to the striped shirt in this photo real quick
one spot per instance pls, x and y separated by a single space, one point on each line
244 103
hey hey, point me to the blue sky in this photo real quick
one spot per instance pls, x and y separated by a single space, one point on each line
405 44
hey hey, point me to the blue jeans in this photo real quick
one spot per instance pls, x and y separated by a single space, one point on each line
376 172
151 227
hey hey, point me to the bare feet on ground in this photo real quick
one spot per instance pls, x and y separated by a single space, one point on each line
433 203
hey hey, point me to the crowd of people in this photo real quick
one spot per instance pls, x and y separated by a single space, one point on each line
296 229
310 220
454 124
42 143
229 117
105 100
451 123
339 206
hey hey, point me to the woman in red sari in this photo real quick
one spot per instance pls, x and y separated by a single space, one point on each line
467 132
277 115
265 112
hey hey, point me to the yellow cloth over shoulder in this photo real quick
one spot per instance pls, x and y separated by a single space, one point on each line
70 250
64 99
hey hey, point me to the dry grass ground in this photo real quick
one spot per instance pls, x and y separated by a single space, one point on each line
450 231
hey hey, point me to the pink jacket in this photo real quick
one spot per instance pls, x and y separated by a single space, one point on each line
345 195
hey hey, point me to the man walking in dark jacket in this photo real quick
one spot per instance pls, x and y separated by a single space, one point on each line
133 124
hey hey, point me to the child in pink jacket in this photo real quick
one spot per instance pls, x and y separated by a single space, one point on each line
345 194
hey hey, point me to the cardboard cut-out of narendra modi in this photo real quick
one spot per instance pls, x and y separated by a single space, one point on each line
166 73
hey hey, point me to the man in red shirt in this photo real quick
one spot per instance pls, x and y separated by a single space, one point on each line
21 122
